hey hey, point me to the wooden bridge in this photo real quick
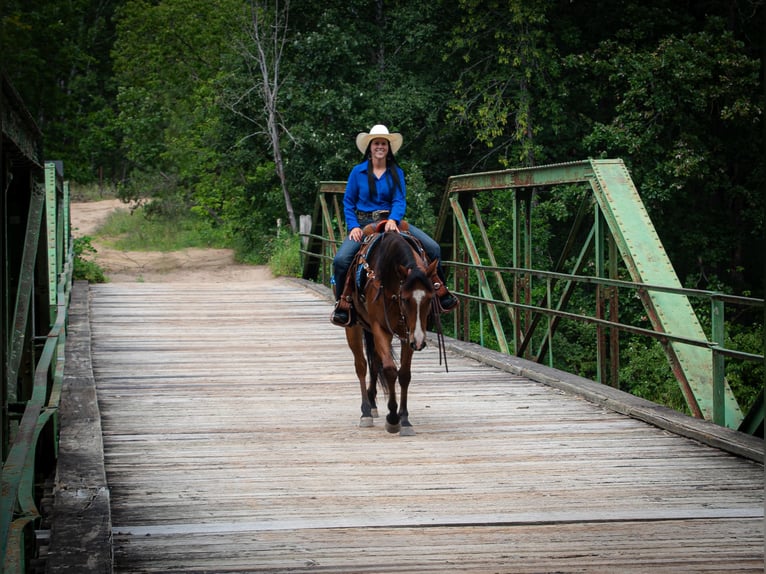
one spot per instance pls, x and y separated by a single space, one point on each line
212 427
225 438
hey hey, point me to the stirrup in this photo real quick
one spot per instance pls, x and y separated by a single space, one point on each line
445 301
342 317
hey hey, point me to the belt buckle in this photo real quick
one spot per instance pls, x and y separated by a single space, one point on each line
380 214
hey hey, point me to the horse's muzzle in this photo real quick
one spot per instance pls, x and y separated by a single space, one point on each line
418 346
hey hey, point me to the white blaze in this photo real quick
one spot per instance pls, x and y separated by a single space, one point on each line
419 335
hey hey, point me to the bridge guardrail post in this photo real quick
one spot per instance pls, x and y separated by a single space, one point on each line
719 369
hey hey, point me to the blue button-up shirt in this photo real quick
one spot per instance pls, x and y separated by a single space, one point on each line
357 195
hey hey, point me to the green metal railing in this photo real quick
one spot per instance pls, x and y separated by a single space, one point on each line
611 234
551 315
42 298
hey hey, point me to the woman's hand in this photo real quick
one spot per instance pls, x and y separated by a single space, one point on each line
391 225
356 234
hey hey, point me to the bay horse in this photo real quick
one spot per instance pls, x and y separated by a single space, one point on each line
393 297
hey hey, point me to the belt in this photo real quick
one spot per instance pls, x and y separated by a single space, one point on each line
372 215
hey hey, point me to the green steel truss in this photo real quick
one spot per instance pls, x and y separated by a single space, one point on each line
619 227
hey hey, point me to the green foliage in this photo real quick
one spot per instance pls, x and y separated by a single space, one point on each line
91 191
285 257
574 347
686 113
420 202
249 212
505 90
644 372
169 114
746 378
56 53
84 267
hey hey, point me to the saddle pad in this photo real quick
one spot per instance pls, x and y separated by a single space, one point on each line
360 259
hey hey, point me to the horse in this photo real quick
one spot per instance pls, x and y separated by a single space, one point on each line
394 297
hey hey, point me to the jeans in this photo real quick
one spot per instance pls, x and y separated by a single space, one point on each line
349 247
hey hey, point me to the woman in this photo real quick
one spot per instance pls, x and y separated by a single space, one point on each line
376 190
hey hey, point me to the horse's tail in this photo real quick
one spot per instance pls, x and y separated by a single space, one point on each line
369 345
369 350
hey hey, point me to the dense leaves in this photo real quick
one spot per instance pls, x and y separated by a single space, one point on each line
161 97
57 54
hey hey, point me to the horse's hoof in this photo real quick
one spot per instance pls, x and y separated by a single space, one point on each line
365 422
374 413
393 429
407 431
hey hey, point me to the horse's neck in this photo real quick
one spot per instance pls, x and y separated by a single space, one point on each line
396 253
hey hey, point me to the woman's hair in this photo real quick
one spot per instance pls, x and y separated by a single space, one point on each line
390 163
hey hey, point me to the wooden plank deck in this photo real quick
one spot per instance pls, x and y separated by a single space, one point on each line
231 444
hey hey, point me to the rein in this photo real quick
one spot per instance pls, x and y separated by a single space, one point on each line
389 297
381 291
402 320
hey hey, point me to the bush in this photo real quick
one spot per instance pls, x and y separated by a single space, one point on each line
85 268
285 259
645 373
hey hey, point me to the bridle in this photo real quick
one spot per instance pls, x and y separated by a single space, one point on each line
402 330
380 293
397 297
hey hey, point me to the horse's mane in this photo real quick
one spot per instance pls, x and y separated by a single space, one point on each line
392 251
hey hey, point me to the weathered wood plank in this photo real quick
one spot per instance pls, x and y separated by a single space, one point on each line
230 424
81 528
675 547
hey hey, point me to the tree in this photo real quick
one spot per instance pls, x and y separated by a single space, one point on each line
262 49
505 88
56 54
685 118
168 59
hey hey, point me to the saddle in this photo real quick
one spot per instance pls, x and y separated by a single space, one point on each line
380 226
372 233
360 272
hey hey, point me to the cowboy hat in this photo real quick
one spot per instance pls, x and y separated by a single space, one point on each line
378 131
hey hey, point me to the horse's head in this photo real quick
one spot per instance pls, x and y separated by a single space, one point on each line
415 296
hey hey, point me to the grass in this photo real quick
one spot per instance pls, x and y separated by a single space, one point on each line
91 192
128 230
135 231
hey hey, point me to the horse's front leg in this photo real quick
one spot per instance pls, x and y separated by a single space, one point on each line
356 344
405 374
390 373
374 368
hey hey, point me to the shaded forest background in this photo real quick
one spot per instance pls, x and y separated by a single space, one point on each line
235 110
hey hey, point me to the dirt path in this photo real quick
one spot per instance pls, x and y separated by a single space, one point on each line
188 265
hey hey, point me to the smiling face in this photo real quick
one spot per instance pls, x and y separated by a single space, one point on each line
379 148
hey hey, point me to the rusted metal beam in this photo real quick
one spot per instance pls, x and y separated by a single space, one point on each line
24 292
541 176
22 137
629 233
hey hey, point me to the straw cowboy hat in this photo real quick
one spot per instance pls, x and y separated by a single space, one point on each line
378 131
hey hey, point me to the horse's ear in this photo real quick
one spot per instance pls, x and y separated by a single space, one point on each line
403 271
432 267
